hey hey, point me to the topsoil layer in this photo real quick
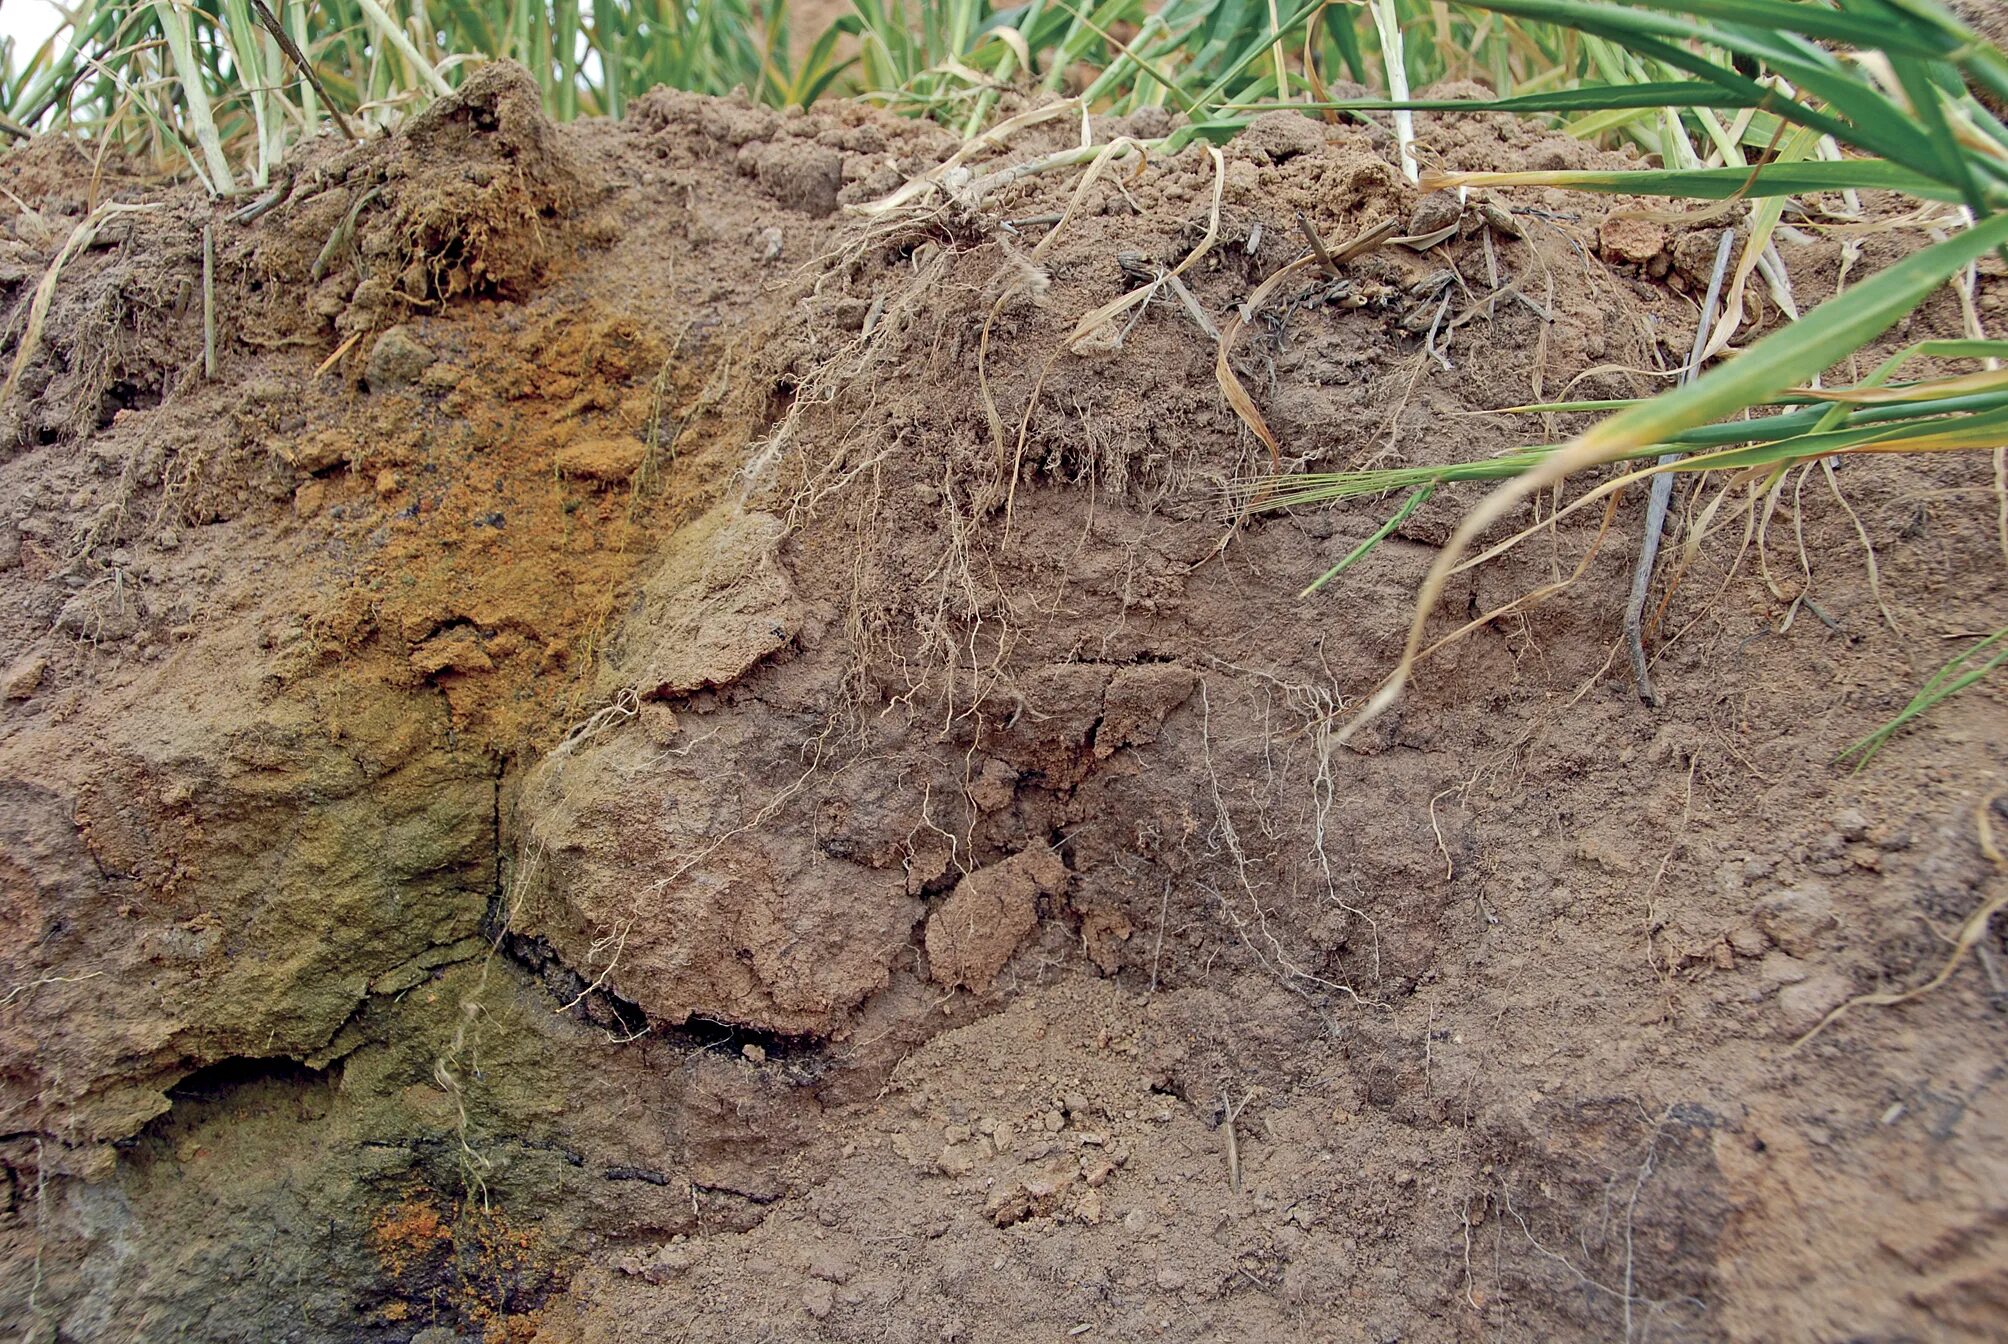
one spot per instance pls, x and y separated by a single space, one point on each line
650 757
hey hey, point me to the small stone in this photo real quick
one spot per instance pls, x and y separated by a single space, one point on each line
668 1261
818 1299
1628 238
1053 1121
386 483
1077 1105
606 460
1748 940
1088 1208
1851 823
828 1266
1170 1278
1136 1220
455 650
1781 969
753 1053
1724 957
1796 918
957 1159
397 360
658 721
309 499
25 677
1805 1005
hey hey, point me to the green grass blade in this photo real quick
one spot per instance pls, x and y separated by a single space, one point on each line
174 25
1359 552
1584 98
1716 184
1805 349
1667 39
1955 676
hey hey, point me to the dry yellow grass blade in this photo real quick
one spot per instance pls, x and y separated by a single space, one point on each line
1223 371
1987 380
1031 278
45 292
1969 935
1784 359
1106 315
993 138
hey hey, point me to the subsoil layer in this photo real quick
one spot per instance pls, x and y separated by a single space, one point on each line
653 755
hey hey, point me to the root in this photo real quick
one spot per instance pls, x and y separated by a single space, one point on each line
1868 547
1270 954
1626 1293
1969 936
1664 974
45 290
2001 499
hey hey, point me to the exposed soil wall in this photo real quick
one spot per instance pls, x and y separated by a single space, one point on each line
654 757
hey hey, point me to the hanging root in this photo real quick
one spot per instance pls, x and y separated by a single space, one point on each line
1970 934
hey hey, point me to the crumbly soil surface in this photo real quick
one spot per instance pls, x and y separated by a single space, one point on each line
653 757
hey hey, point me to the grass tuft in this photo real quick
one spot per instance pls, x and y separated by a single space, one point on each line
1968 667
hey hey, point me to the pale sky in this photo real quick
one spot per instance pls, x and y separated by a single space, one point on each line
28 22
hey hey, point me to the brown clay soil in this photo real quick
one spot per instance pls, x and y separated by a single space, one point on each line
654 758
